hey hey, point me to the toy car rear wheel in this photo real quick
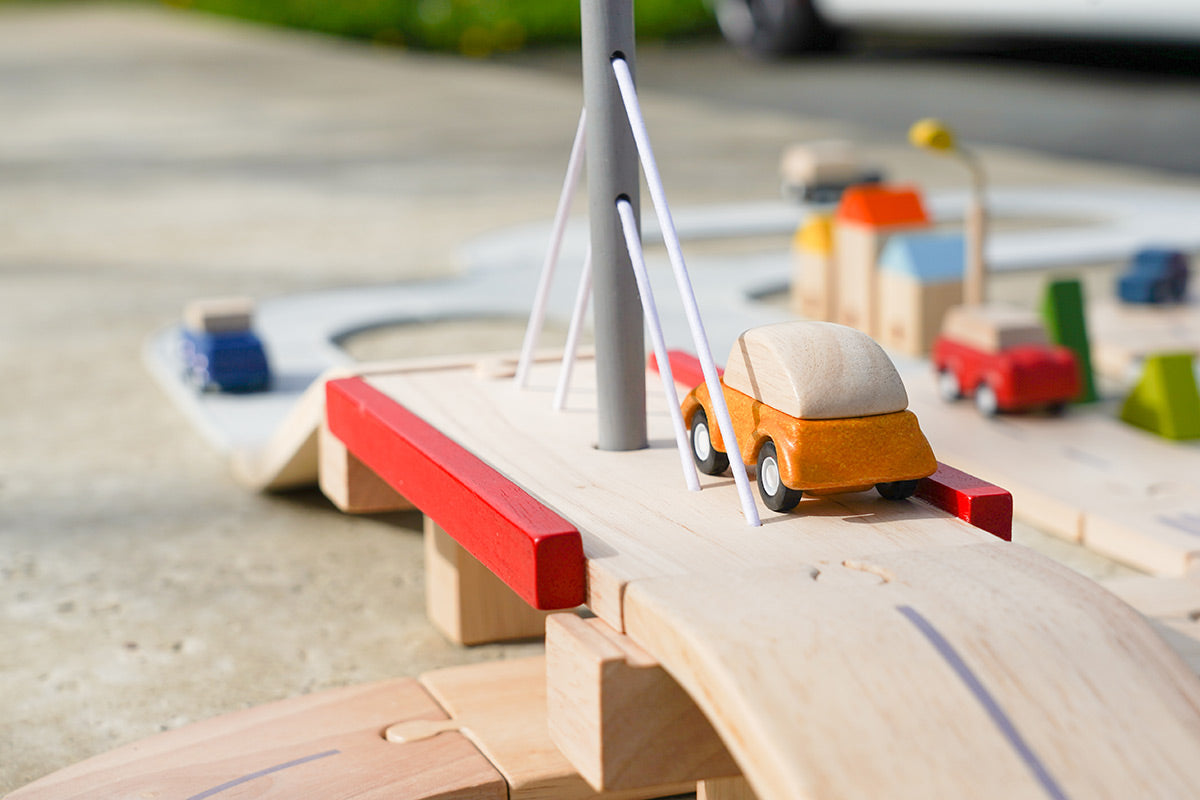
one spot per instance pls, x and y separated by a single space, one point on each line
986 401
770 484
947 385
709 459
897 490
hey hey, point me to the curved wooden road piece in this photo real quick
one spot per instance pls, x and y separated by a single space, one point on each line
982 671
327 745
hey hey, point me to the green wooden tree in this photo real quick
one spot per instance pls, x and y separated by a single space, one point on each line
1062 309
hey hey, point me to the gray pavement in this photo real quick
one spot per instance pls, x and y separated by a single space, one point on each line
1137 104
148 157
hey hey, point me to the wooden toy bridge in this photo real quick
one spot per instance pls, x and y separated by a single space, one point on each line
855 648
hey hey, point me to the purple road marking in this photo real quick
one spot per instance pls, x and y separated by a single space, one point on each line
1001 720
261 773
1188 523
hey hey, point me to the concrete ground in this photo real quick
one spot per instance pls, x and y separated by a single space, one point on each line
150 157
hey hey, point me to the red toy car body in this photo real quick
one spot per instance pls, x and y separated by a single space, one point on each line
1002 358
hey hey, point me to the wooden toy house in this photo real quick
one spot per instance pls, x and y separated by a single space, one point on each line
866 218
920 278
813 294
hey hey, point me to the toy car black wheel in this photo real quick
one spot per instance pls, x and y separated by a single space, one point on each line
986 400
897 490
774 28
709 459
770 485
947 385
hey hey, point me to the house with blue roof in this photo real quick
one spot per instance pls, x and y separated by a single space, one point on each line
920 276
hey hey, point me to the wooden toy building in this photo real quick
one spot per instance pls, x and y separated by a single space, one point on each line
866 219
920 278
856 648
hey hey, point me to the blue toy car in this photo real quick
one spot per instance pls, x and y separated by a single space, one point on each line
1155 276
229 361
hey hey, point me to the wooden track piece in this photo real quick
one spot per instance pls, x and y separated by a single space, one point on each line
1136 500
350 484
976 671
531 548
632 509
468 603
1162 598
326 745
618 716
501 707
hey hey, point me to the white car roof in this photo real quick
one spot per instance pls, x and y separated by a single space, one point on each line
815 370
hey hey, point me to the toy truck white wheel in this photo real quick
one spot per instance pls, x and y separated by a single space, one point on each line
709 459
947 385
986 401
770 484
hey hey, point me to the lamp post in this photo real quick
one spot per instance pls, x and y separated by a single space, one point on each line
932 134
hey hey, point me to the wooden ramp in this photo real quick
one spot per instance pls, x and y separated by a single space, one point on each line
854 648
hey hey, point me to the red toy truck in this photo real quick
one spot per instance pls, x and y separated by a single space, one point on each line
1002 357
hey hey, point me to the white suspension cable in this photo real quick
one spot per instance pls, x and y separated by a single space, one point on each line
538 315
634 243
671 239
582 296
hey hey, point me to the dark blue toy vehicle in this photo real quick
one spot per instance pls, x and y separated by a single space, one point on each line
230 361
1155 276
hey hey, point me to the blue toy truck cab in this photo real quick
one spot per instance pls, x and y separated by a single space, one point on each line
1155 276
230 362
219 350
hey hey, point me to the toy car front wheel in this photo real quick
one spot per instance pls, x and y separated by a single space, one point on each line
709 459
897 490
770 485
986 400
947 385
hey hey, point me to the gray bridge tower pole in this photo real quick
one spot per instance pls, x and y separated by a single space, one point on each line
612 171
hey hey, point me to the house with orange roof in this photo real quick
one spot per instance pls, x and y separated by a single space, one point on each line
866 219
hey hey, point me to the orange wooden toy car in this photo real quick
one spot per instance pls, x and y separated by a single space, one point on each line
818 408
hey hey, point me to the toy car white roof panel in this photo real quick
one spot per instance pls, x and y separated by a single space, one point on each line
815 370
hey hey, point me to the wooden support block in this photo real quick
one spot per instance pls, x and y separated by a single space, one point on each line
324 745
351 485
501 707
619 718
724 789
468 603
531 548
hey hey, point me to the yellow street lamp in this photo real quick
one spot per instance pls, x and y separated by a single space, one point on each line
932 134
